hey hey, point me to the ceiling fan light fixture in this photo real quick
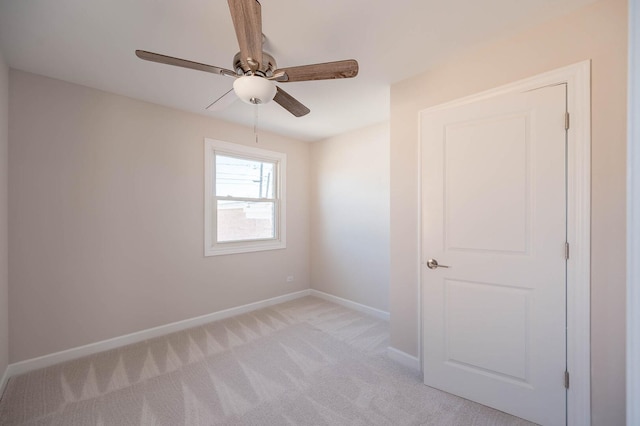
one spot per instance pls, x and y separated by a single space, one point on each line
254 90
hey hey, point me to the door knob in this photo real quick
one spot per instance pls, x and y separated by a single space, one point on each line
433 264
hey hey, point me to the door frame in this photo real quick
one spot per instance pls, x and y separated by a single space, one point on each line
633 217
578 80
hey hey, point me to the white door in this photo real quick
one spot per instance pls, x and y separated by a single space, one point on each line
494 211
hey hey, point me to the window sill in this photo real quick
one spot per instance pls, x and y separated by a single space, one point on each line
235 248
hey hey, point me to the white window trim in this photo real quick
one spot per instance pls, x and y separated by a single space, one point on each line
211 247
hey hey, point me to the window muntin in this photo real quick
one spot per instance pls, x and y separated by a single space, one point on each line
244 198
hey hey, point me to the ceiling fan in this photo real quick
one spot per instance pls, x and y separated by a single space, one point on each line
255 71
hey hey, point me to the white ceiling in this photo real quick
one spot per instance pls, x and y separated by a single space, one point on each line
92 42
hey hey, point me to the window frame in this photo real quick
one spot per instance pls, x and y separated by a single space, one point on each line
212 247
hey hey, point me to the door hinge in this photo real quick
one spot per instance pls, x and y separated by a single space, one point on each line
566 121
566 250
566 380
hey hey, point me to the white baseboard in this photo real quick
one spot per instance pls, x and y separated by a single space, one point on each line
404 358
139 336
351 305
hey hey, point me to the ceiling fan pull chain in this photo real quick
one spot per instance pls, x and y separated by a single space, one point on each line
255 122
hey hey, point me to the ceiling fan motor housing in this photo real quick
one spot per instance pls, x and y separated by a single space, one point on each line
266 68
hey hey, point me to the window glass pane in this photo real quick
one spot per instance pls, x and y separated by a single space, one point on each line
238 177
242 220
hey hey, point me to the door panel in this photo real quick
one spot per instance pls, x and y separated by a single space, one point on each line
494 210
473 311
469 151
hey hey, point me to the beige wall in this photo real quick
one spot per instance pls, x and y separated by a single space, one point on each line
106 211
350 216
4 239
597 32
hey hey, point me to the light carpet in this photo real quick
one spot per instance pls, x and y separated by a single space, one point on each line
305 362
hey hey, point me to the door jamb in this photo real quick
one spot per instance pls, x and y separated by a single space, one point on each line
633 217
578 80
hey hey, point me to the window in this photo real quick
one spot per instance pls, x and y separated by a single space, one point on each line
244 198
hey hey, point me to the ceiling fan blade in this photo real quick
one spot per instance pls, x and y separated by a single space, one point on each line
325 71
223 101
170 60
290 103
247 20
